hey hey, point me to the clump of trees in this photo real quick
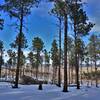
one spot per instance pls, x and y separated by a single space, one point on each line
55 60
74 53
38 46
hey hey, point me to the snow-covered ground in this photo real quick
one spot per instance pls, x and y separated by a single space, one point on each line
49 92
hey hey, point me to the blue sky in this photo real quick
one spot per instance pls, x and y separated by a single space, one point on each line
41 24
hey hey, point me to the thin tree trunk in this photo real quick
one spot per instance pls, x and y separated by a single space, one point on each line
59 70
96 80
31 71
0 70
76 55
9 71
6 73
56 74
23 71
91 73
19 50
87 75
37 65
20 74
48 72
0 62
65 87
53 75
81 73
69 75
41 72
45 68
76 62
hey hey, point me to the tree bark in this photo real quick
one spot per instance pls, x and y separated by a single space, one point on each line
76 54
81 72
96 80
65 87
37 65
88 75
91 73
19 50
0 63
59 70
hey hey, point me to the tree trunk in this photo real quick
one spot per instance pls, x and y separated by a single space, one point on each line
76 63
31 71
0 65
65 87
48 73
69 75
76 54
81 72
37 64
91 73
23 71
96 80
53 76
19 50
72 73
87 75
6 73
59 70
0 62
41 72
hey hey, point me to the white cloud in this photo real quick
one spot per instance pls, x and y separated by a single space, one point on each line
92 8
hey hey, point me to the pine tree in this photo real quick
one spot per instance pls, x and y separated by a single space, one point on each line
32 60
1 44
56 11
81 28
1 55
38 46
69 48
19 9
94 52
23 45
12 60
55 60
47 61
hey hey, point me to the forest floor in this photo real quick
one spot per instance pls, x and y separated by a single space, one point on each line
49 92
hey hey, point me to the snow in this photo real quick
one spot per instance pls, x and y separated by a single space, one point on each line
49 92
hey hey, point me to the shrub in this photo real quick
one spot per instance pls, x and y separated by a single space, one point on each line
27 80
